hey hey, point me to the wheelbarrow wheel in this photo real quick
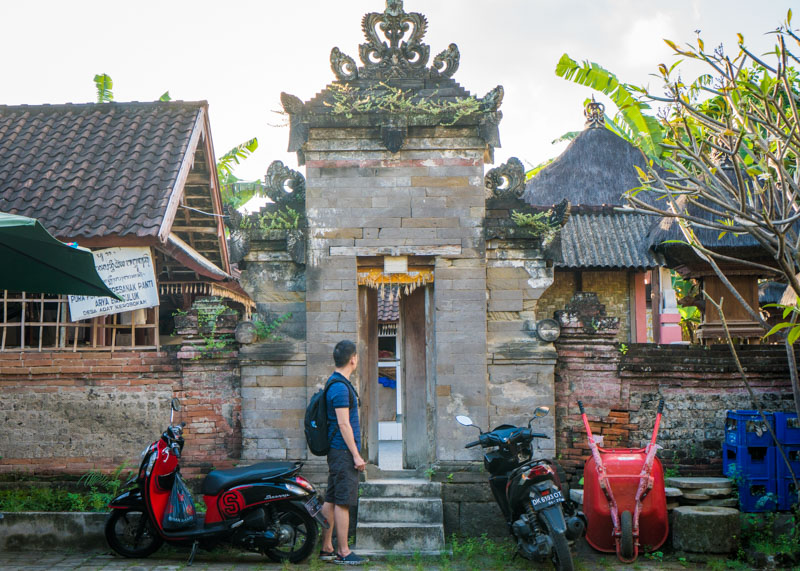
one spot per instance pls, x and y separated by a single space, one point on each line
626 539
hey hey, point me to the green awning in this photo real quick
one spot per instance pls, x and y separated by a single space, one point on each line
33 261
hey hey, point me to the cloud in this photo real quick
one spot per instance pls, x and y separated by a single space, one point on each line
643 43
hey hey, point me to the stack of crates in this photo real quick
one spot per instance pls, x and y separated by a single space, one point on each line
748 456
787 429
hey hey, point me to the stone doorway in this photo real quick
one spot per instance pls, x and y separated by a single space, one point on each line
393 339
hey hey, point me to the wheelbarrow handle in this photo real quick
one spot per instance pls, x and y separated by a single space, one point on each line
580 406
661 406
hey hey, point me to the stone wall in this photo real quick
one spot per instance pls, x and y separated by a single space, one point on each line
73 412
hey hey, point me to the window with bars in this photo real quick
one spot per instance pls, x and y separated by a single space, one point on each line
40 322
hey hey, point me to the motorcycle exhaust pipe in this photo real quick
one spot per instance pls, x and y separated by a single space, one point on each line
575 528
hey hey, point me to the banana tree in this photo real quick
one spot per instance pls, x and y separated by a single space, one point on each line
631 122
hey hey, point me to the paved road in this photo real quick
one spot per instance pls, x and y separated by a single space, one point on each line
585 560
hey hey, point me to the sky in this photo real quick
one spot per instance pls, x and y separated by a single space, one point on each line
239 56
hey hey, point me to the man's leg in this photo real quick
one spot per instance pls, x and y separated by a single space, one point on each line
341 517
327 534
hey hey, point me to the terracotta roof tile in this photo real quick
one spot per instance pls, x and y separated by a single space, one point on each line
90 170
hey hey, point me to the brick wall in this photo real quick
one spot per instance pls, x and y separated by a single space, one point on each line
72 412
621 393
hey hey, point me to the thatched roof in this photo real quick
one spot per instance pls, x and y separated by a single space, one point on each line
593 173
595 169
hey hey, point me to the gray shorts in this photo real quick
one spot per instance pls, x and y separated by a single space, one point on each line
342 478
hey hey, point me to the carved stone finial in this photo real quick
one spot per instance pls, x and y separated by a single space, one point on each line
278 178
394 49
492 100
595 114
291 103
507 179
343 66
446 63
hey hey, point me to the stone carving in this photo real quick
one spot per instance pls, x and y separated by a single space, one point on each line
492 100
595 114
343 66
393 136
394 49
446 63
291 103
507 179
278 178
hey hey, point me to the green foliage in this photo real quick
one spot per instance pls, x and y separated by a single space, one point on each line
622 348
631 122
165 97
207 316
671 472
349 101
269 331
794 328
226 163
284 219
529 174
102 488
104 85
430 472
537 225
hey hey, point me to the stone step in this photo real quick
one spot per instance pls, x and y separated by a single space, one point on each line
404 510
410 488
399 538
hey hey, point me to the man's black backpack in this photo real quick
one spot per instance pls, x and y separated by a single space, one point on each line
316 419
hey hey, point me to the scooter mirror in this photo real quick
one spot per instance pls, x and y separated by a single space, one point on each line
541 411
464 420
176 405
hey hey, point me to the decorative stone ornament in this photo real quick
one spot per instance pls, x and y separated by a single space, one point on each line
284 185
394 49
595 114
506 179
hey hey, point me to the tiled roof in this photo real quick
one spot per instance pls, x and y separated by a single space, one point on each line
93 170
606 239
389 310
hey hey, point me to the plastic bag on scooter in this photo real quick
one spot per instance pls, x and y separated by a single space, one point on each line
180 512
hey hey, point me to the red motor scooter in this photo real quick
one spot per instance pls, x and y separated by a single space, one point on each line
267 508
624 499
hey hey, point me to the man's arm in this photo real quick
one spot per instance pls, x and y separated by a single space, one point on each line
343 417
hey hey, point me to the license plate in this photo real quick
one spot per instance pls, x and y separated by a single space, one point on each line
313 506
550 499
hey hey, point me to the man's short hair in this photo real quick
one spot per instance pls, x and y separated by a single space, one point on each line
343 352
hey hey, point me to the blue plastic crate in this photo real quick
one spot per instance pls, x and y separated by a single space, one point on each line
747 428
749 461
787 494
787 428
758 495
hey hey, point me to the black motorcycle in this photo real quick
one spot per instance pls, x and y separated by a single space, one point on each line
529 493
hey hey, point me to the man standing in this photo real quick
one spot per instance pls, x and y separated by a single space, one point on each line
344 456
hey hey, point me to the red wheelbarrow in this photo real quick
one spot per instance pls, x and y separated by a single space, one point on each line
623 497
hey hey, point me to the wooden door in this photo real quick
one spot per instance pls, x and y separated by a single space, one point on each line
368 371
416 438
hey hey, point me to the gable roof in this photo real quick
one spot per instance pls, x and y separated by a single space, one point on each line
115 174
90 170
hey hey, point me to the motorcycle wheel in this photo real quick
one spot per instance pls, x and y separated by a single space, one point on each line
131 534
626 541
298 531
562 558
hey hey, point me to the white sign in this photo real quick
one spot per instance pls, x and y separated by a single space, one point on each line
129 273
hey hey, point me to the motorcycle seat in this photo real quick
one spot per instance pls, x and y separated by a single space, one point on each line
218 480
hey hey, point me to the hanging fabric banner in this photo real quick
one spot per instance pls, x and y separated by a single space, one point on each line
394 284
